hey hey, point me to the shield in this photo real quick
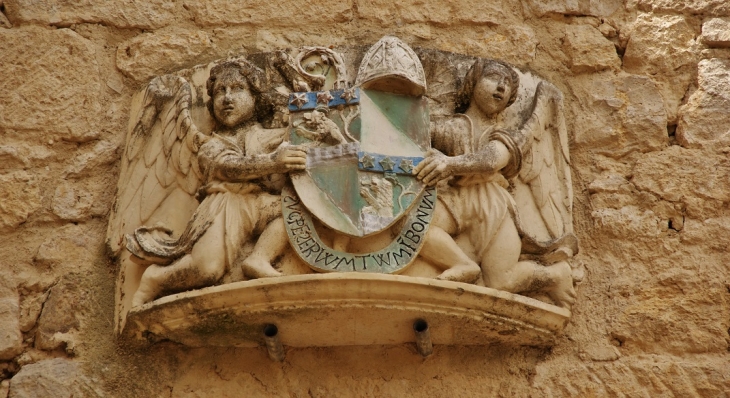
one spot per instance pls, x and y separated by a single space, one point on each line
362 147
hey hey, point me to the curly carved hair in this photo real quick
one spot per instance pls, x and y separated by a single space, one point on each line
480 68
239 68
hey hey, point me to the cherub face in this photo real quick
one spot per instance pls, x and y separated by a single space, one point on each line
233 102
492 92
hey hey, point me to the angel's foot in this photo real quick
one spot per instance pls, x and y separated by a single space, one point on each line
466 273
254 268
562 292
144 294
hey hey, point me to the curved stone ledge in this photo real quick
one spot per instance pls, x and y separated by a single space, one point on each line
345 309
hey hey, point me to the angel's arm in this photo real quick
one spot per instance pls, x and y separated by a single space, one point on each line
222 161
503 153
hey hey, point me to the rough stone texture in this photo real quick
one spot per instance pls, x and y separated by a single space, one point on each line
700 195
151 54
69 238
19 198
647 376
688 7
575 7
50 83
59 318
144 14
588 50
72 203
221 12
716 32
516 43
665 48
30 309
651 318
704 120
627 114
11 340
458 12
15 154
53 378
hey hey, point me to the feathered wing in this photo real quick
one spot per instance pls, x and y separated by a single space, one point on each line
543 189
159 170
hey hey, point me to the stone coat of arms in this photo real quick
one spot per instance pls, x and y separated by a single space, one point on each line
291 164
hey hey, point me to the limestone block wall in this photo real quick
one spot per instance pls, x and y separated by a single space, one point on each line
647 89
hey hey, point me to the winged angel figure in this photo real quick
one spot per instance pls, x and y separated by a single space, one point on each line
219 183
520 238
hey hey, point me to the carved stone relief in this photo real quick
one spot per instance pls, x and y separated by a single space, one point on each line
255 177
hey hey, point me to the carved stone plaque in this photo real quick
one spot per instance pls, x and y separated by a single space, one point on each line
286 189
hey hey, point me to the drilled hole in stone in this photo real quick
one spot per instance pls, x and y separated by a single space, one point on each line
270 330
420 325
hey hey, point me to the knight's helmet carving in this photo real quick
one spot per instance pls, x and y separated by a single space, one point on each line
390 65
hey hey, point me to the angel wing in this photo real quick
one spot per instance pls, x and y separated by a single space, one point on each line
543 188
159 170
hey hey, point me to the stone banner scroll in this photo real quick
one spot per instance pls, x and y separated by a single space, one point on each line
400 253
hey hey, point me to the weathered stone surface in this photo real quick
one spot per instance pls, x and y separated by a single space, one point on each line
665 48
516 43
72 202
144 14
16 154
695 178
704 121
629 220
87 163
60 316
19 198
575 7
50 83
151 54
68 240
716 32
30 309
11 340
674 315
457 12
51 378
588 50
689 7
221 12
4 23
626 114
647 376
695 232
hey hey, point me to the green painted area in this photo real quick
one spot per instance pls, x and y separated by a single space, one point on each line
385 121
342 186
405 191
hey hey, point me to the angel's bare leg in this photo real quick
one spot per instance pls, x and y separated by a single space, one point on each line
440 249
502 269
204 266
271 244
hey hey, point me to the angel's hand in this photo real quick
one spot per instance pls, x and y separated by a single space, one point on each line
290 157
434 168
